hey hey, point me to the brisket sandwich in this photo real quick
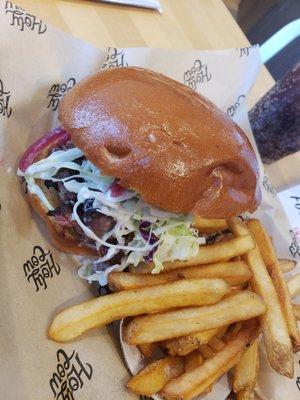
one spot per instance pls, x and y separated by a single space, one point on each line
137 156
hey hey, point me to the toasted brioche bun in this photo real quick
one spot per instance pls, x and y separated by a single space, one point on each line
163 140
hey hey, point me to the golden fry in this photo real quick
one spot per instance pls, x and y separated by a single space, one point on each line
296 308
221 332
217 252
147 349
208 226
269 257
78 319
245 394
287 265
216 344
246 370
294 285
273 324
195 382
206 351
234 273
177 323
155 376
237 227
118 281
192 360
237 258
232 331
186 344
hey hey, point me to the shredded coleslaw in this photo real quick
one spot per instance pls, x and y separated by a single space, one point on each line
154 233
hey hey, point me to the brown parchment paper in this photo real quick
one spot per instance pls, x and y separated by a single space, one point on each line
38 64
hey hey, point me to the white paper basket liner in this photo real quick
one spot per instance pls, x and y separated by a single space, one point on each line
135 362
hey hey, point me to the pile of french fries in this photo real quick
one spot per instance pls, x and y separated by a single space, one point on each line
206 314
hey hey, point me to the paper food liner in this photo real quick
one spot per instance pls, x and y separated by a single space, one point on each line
135 362
38 65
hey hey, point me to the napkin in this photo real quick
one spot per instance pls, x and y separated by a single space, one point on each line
154 4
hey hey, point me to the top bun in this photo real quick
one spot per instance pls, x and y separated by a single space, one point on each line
163 140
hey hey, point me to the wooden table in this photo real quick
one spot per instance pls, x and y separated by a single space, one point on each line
184 24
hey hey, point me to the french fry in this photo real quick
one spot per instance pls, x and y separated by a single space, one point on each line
177 323
245 394
237 227
246 370
195 382
297 311
208 226
118 281
232 331
274 328
236 289
147 349
186 344
221 332
197 359
234 273
294 285
216 344
287 265
155 376
206 351
209 254
78 319
269 257
192 360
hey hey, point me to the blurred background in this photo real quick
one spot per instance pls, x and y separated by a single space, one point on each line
275 118
260 19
